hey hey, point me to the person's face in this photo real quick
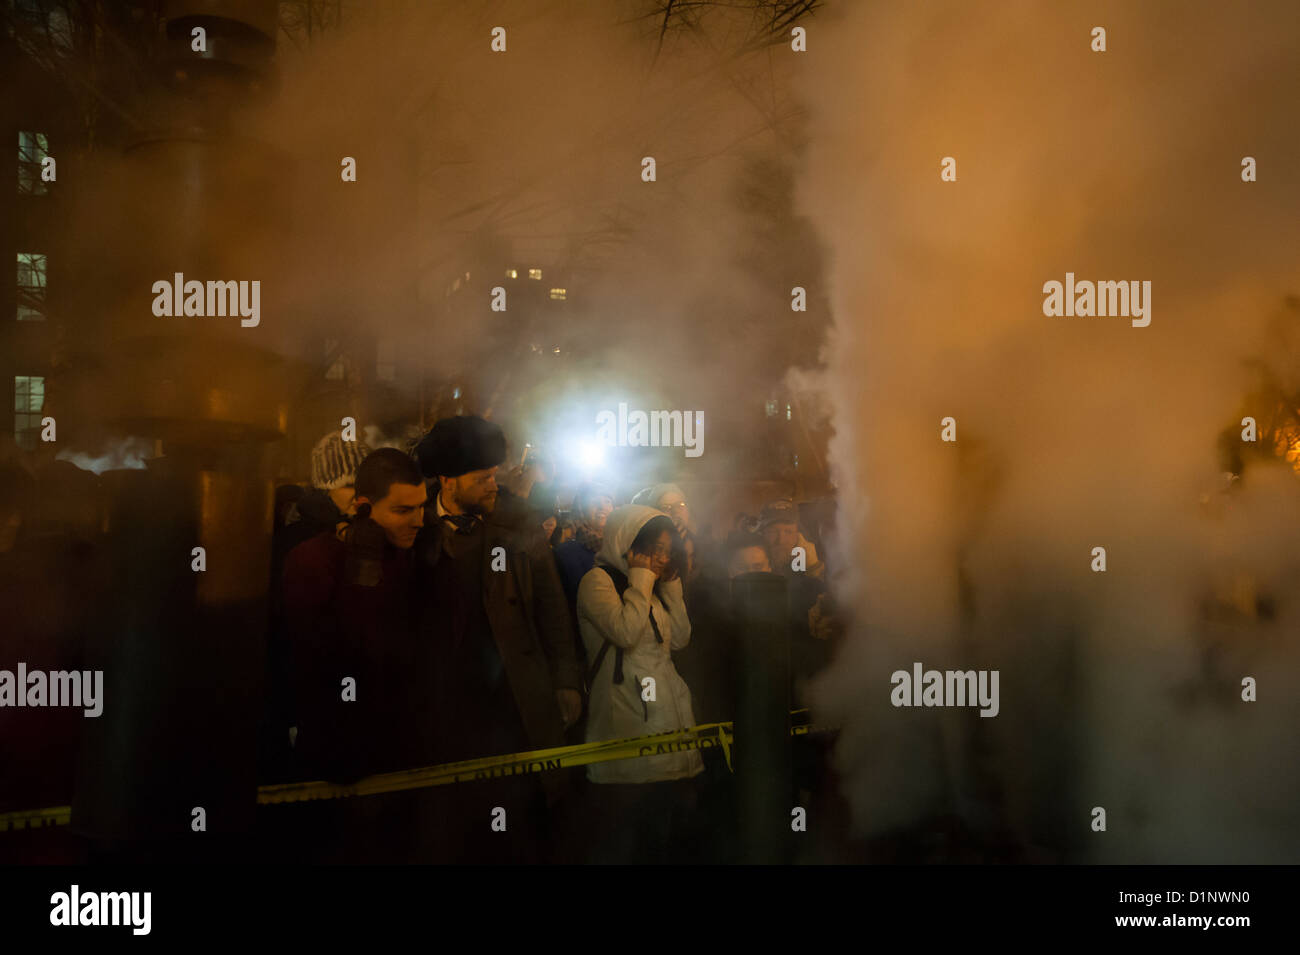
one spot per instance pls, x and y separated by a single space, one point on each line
782 538
548 526
674 505
344 499
598 512
661 554
400 513
474 492
749 560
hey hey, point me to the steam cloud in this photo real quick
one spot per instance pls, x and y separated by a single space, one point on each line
474 161
1072 433
533 157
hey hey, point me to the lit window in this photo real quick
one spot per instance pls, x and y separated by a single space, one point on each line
334 356
32 149
386 360
535 274
558 294
556 349
29 399
31 286
512 273
771 409
787 412
455 392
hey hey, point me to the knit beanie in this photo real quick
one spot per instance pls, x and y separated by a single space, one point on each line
334 462
651 496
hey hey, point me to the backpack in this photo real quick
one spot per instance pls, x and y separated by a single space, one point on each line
620 584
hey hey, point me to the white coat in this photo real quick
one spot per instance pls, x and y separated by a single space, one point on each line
617 710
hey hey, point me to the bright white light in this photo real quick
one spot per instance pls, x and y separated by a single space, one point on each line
583 453
590 455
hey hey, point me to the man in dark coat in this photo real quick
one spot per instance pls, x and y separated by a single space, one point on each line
494 602
493 616
350 617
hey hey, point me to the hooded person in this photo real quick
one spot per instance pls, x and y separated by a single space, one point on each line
632 617
669 499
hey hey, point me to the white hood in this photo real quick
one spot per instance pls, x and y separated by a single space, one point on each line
621 528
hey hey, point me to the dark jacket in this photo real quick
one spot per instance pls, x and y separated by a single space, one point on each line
710 665
313 513
338 629
573 559
525 612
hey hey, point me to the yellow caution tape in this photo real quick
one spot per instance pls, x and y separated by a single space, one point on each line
35 818
705 736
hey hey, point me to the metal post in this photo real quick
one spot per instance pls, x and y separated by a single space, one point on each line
762 753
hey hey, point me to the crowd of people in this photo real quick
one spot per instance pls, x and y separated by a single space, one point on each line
430 607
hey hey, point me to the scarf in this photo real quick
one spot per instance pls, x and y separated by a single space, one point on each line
587 537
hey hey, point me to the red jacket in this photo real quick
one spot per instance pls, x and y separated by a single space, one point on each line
339 630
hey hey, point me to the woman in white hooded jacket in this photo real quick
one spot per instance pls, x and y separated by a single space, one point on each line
654 588
644 809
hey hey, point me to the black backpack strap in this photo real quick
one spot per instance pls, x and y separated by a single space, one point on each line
600 658
654 625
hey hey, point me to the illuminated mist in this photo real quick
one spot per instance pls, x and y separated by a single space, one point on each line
1072 432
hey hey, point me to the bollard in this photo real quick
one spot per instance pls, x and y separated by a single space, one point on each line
762 758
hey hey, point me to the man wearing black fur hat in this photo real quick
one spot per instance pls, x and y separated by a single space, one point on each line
494 614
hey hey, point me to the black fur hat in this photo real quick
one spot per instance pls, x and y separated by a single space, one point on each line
457 445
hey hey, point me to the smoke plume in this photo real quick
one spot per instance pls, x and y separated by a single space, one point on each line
1121 689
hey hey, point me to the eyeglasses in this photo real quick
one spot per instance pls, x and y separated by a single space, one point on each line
673 508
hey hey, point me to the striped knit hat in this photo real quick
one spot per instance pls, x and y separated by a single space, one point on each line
334 462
